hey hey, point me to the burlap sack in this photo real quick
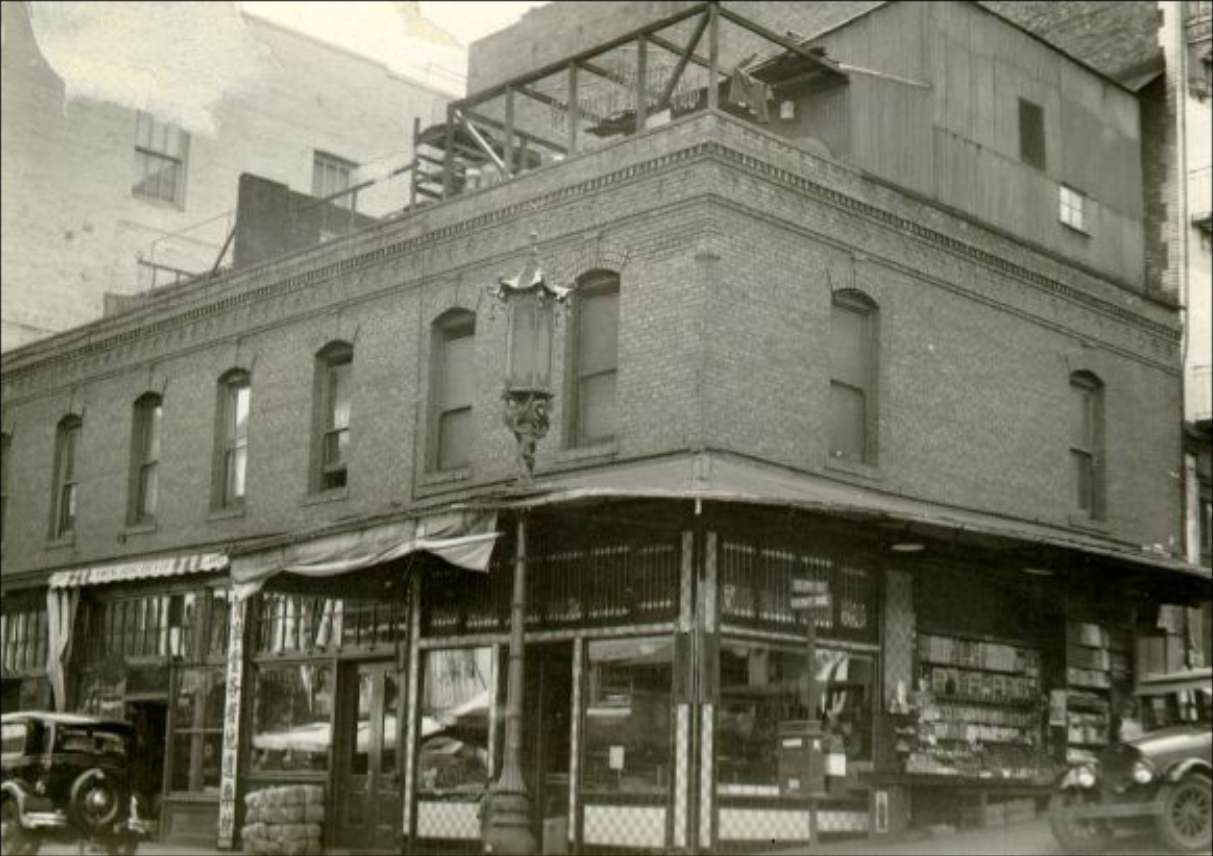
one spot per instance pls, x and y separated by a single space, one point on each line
313 813
313 794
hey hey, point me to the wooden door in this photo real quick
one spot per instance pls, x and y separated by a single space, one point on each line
369 806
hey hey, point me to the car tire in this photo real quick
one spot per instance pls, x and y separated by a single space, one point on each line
82 813
1185 822
15 839
1076 835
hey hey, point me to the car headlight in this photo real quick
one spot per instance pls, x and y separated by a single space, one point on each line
1143 772
1084 777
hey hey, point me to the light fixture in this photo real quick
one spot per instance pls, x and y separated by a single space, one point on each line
908 547
1038 572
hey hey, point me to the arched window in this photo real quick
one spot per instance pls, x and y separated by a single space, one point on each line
452 389
331 416
145 459
595 359
853 360
66 484
231 440
1086 444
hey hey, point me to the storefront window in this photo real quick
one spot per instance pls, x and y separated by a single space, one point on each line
23 640
291 622
456 695
762 686
627 715
292 715
25 694
198 728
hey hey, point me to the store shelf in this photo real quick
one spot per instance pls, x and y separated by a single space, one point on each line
1021 703
1019 673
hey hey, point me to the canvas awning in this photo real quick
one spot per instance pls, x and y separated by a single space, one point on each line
463 538
138 569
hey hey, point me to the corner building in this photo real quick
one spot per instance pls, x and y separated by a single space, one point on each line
854 343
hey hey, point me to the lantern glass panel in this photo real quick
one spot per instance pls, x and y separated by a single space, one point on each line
530 345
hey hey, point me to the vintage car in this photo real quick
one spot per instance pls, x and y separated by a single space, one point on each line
1160 776
67 775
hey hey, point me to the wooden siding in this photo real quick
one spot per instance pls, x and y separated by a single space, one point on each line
958 141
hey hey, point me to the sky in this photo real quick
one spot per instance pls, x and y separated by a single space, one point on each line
132 53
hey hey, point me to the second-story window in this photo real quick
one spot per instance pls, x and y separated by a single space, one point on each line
334 369
231 453
1072 210
1031 134
1086 441
595 359
331 174
145 459
852 412
161 149
452 390
67 487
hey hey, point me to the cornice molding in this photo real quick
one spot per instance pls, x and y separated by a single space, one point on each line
714 150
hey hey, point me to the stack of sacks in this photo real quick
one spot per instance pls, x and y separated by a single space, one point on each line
286 820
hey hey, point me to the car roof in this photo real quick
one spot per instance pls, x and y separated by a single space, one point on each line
63 718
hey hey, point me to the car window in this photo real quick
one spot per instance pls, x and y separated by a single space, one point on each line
71 739
12 738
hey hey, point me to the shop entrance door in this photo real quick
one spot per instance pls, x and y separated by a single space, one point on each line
150 720
368 792
547 735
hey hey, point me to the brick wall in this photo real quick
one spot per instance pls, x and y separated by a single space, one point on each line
728 241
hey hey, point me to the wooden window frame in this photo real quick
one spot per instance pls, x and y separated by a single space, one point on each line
452 325
326 476
228 443
1092 449
592 284
65 495
858 303
146 431
149 153
325 164
1072 208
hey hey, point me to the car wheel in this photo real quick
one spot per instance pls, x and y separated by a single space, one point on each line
1076 834
95 802
1185 823
15 838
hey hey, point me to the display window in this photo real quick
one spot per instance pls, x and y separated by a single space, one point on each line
197 714
304 623
762 686
292 717
628 743
456 696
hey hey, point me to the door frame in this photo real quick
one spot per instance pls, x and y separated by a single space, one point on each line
346 710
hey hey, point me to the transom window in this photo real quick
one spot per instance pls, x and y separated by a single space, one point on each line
145 459
1073 206
160 157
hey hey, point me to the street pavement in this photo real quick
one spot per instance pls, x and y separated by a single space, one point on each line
1028 838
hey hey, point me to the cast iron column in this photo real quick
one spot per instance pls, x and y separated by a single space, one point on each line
509 824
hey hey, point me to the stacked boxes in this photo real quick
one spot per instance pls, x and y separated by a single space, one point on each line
286 820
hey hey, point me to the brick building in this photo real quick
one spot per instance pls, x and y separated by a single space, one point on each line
130 200
272 516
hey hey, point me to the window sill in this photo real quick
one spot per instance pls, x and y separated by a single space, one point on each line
138 529
335 494
1077 230
576 454
439 477
1085 521
854 468
225 513
62 542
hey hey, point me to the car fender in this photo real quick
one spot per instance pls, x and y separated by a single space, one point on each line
17 792
1189 765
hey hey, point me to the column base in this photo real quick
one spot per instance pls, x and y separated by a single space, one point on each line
508 829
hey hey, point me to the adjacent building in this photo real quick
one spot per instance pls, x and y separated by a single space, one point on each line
859 312
103 200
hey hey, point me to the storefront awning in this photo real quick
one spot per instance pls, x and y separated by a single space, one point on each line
463 538
138 569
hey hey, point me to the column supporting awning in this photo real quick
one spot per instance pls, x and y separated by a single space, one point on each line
463 538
